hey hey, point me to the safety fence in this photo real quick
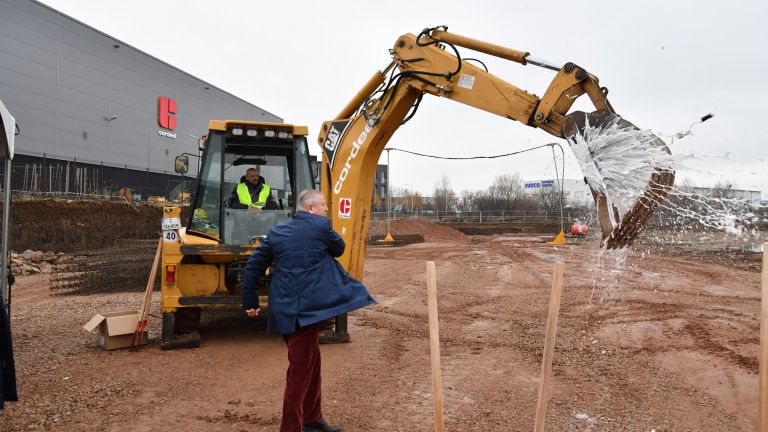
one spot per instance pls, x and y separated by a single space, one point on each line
73 178
497 216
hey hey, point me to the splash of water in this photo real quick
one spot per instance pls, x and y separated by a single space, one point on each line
690 210
619 162
607 266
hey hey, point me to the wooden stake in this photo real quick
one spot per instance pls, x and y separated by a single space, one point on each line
142 324
434 346
549 347
762 407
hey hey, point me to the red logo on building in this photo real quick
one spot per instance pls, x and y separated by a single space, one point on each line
345 208
166 108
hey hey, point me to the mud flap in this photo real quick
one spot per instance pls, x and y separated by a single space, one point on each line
180 329
628 170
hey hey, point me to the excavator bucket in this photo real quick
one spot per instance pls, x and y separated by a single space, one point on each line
629 171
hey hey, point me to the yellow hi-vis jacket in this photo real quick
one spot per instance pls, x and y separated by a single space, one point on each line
245 198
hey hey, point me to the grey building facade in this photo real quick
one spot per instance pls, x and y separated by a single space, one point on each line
91 102
380 184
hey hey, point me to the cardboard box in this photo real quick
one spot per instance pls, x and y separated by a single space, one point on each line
116 329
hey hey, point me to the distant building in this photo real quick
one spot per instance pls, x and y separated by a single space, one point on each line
576 192
96 114
380 184
380 188
751 197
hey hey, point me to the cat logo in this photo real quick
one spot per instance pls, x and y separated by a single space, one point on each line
333 140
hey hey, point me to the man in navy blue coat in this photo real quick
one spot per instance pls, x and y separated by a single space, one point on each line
308 286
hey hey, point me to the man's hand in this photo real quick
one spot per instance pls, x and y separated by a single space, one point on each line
253 313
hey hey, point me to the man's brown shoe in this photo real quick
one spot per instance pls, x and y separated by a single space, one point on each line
320 426
331 337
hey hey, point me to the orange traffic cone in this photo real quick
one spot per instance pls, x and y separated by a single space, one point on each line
559 240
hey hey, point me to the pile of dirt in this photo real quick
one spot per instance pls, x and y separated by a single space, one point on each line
542 227
430 231
73 225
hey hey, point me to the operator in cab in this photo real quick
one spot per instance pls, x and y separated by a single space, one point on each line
252 192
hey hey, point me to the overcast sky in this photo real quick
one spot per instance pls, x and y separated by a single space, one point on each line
666 64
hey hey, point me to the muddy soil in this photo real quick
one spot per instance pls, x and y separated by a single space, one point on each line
645 341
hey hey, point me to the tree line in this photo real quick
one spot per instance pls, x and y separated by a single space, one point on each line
506 193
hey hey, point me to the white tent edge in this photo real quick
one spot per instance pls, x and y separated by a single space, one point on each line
9 126
6 151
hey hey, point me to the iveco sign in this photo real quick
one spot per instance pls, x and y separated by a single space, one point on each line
537 184
166 110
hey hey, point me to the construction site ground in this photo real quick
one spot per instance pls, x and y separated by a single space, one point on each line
650 339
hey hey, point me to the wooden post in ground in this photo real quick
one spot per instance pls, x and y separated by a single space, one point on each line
549 347
434 346
142 324
762 407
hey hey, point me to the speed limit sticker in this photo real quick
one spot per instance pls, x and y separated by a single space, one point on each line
170 236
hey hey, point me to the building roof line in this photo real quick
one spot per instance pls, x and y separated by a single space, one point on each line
151 56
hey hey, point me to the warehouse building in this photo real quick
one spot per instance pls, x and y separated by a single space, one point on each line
575 192
97 115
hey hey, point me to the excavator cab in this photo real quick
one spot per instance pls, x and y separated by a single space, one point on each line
203 259
282 161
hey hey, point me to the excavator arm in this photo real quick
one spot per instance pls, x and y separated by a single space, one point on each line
430 63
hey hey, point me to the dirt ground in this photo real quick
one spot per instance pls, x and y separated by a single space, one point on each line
646 341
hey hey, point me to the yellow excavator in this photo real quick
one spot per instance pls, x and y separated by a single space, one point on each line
628 170
202 263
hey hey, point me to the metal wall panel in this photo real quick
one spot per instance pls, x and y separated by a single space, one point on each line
63 81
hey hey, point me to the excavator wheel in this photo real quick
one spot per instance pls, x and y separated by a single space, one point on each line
620 230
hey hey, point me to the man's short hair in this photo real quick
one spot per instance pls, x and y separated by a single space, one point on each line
252 169
307 196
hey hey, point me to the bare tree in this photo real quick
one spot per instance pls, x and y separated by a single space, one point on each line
507 188
467 201
443 194
722 189
413 200
377 203
485 201
409 199
550 198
